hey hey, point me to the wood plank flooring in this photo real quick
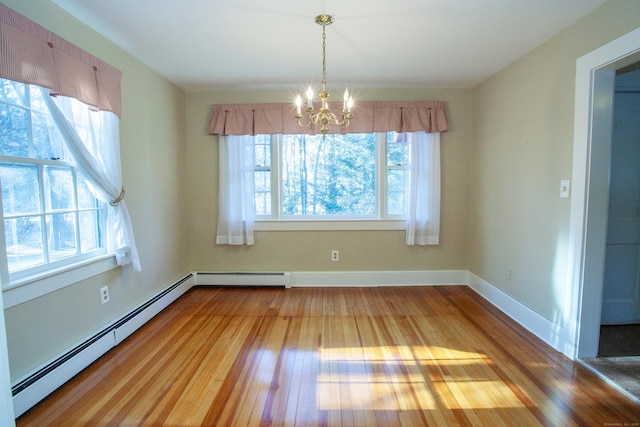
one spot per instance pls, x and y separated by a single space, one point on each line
410 356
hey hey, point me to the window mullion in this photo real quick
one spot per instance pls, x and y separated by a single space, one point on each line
43 215
276 180
75 210
4 266
381 175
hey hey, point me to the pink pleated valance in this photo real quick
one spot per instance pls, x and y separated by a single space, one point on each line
369 116
31 54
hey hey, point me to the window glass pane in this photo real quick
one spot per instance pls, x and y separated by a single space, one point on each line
263 150
14 131
263 181
263 203
61 235
395 190
85 125
397 172
397 149
47 141
35 99
59 193
263 192
13 92
85 198
24 243
328 174
90 237
20 195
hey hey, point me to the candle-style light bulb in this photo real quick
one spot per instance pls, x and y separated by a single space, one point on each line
349 104
346 99
298 104
310 98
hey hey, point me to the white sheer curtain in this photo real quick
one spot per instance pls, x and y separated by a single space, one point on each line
236 190
423 191
97 156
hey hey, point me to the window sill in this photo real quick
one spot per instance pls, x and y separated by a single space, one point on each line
32 287
328 225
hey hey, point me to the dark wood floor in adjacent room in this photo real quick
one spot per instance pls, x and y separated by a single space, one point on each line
409 356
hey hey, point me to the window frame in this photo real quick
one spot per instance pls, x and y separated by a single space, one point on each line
44 212
50 275
380 220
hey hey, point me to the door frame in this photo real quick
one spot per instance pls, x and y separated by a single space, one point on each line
593 121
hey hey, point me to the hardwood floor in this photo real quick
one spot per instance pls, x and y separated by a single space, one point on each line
408 356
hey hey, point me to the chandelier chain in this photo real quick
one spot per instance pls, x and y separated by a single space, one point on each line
324 58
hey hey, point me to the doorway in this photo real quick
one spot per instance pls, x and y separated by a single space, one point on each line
620 317
595 84
596 75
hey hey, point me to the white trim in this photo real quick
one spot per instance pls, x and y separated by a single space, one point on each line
314 225
29 289
378 278
585 252
235 278
29 397
85 352
538 325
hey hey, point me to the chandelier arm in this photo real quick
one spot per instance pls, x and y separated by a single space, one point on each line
324 119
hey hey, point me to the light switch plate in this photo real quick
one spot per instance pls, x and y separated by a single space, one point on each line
564 188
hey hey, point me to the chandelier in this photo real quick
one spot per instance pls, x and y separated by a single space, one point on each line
324 116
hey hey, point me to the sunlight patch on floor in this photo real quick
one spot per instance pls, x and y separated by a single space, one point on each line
392 379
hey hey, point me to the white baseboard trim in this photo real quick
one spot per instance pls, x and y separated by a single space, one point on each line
378 278
538 325
33 387
243 278
46 383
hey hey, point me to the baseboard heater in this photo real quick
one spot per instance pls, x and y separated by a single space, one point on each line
228 278
37 385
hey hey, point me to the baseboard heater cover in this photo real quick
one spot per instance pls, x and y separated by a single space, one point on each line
34 387
235 278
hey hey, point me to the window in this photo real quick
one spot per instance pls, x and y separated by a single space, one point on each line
51 219
337 177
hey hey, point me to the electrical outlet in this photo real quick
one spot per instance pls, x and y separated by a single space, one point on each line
104 294
335 255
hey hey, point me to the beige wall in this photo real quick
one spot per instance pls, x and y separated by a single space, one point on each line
153 152
309 251
522 148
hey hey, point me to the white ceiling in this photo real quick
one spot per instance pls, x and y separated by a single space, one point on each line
233 44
